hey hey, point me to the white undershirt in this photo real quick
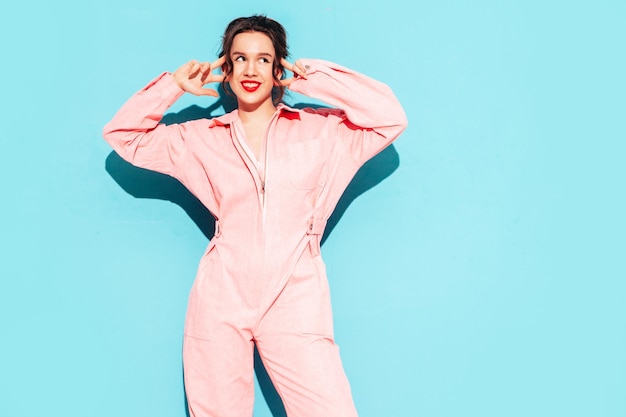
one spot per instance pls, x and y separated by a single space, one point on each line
239 135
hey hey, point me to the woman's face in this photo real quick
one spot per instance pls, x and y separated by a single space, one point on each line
251 80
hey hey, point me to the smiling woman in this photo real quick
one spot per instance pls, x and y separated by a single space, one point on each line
271 175
274 53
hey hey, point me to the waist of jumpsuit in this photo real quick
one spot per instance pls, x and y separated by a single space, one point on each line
315 229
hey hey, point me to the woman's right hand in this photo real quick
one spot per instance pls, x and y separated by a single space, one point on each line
194 75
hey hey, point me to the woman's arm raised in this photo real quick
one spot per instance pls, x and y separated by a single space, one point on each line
373 116
135 132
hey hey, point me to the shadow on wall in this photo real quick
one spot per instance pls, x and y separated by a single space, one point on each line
142 183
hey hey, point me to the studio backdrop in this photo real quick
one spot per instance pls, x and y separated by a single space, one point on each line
476 265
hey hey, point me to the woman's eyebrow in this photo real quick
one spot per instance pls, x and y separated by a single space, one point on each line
259 54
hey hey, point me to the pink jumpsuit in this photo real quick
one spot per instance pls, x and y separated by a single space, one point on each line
261 279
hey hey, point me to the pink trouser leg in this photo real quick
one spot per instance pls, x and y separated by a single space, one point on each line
307 373
219 375
295 342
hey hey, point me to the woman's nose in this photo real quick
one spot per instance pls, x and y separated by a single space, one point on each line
250 68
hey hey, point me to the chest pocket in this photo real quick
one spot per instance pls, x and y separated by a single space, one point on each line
307 164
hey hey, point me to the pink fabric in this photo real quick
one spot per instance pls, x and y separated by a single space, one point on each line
262 279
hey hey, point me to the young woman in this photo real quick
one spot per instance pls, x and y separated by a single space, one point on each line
271 175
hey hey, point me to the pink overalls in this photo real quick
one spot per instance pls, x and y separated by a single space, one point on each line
261 279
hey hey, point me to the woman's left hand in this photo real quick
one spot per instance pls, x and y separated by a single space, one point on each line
298 69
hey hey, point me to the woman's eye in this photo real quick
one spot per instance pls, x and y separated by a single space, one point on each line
239 58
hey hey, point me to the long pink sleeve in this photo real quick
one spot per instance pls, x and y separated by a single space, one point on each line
135 132
369 105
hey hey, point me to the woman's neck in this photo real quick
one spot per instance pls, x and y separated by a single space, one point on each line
258 114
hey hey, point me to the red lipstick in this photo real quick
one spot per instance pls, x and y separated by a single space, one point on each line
250 86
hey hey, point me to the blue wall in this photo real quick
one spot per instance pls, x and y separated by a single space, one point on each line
484 277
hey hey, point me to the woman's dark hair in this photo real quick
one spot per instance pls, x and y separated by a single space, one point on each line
257 23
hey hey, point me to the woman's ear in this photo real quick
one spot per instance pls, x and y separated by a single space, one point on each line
224 69
279 75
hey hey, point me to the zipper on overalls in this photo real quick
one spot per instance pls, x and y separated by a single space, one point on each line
261 168
263 161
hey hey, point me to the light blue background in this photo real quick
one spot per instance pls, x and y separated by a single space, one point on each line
484 277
